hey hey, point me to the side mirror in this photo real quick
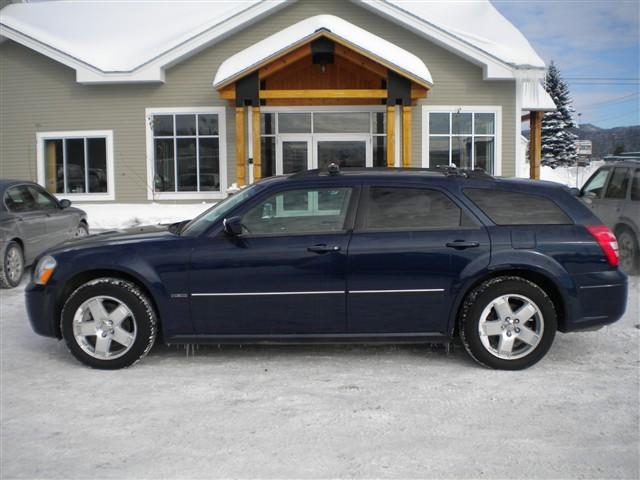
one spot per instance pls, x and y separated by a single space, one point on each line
575 191
64 203
232 226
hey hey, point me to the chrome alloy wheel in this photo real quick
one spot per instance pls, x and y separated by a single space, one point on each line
511 326
104 327
14 265
81 231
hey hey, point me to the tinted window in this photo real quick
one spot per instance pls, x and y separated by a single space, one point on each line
596 182
299 211
43 200
635 186
617 187
411 209
511 208
18 199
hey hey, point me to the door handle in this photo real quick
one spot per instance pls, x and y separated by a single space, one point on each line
323 248
462 244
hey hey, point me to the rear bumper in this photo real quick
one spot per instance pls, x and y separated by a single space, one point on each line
601 300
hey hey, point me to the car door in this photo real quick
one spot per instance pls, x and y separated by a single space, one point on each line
610 206
60 225
30 220
593 191
285 274
406 256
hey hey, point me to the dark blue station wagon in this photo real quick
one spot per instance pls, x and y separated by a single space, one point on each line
342 256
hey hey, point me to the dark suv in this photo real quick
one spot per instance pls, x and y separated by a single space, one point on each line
613 193
354 256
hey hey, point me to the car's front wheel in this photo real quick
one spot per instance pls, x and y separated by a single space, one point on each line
12 267
508 323
81 231
108 323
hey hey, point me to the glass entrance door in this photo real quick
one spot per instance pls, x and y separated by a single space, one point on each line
293 154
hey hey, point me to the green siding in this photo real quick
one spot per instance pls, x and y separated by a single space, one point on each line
39 94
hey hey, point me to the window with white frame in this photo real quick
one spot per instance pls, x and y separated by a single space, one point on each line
186 151
465 138
77 164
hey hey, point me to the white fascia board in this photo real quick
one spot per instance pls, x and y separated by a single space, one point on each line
493 68
152 71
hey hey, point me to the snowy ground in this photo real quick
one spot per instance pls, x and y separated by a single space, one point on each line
320 411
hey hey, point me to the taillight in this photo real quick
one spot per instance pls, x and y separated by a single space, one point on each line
607 241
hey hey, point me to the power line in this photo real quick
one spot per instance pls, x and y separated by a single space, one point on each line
624 99
625 114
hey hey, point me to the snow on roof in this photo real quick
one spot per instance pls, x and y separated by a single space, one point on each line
107 41
535 97
298 33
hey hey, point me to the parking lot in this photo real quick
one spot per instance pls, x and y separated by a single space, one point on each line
385 411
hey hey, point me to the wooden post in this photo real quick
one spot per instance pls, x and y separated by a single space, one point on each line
51 168
241 169
255 132
391 136
406 136
535 144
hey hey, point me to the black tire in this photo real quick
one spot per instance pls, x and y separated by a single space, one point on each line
485 349
142 323
12 268
629 257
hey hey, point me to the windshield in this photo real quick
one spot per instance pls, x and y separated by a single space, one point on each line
207 218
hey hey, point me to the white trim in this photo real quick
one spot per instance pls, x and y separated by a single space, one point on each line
495 109
324 108
397 138
261 294
222 144
519 161
62 135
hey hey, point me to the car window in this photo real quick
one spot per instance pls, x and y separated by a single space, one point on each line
617 187
411 209
596 182
293 212
18 199
42 199
512 208
635 185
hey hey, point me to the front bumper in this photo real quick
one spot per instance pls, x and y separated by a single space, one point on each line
42 310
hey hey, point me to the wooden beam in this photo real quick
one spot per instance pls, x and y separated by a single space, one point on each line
255 132
51 168
228 93
406 136
284 61
241 169
535 144
360 60
419 92
391 136
339 93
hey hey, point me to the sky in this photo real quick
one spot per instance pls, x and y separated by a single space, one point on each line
596 46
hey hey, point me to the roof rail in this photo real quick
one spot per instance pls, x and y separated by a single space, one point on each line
452 170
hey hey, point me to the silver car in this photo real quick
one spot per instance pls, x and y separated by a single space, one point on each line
32 221
613 193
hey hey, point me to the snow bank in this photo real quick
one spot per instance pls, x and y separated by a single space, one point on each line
124 215
570 176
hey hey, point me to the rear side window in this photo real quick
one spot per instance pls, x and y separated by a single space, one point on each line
617 187
635 186
392 208
512 208
18 199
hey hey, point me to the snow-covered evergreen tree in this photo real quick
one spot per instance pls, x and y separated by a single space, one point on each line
558 147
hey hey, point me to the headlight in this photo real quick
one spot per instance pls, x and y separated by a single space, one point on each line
44 269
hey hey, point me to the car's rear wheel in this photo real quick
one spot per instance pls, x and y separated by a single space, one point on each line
629 261
108 323
12 266
508 323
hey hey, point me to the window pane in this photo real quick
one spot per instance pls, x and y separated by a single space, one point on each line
75 165
207 124
185 124
42 200
344 153
343 122
596 183
18 199
379 151
164 180
484 153
300 211
484 124
54 171
617 187
439 123
379 122
294 156
438 151
410 208
163 125
187 166
97 159
268 156
511 208
209 164
267 123
461 123
294 122
461 152
635 186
